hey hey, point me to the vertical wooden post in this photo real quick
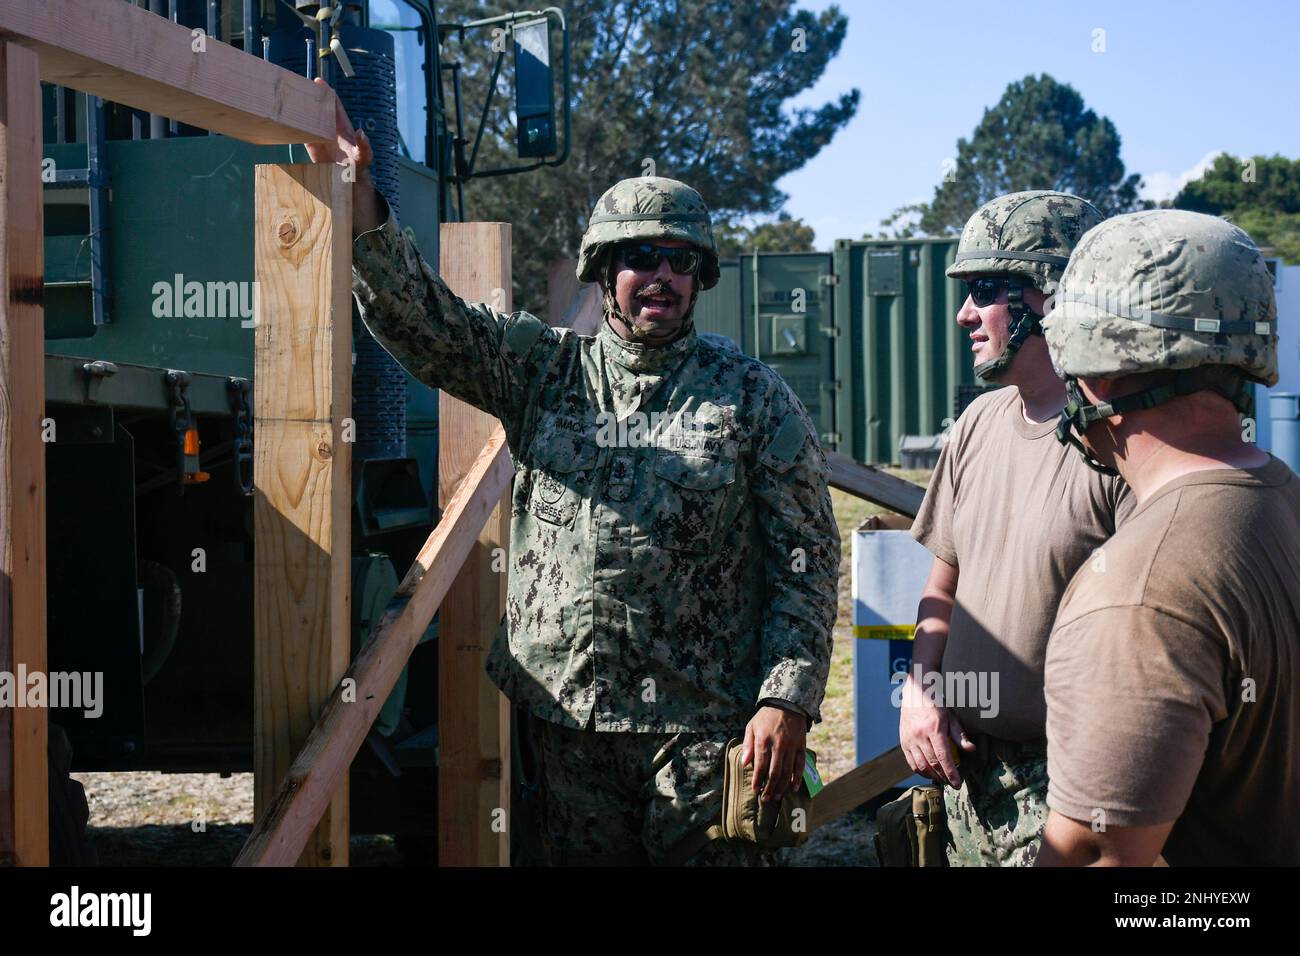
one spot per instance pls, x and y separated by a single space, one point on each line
24 789
302 469
473 716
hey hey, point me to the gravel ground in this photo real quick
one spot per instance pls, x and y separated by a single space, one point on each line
143 819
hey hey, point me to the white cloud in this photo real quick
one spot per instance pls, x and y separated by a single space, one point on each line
1165 185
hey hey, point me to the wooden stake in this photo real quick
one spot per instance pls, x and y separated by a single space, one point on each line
302 470
572 304
24 790
473 716
282 832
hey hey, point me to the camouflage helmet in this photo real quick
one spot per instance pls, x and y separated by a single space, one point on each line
1029 234
1164 289
648 208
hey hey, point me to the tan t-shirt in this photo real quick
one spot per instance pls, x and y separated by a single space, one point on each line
1173 674
1017 513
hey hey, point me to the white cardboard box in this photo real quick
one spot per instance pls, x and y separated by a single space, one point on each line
889 572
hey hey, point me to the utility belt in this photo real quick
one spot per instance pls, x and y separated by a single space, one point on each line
1008 751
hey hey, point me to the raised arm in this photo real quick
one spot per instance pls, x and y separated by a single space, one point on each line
475 352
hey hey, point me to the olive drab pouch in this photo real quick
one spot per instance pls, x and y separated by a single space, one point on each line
772 825
913 830
746 818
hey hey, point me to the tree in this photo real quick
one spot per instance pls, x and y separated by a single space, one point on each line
784 235
1038 136
690 89
1260 194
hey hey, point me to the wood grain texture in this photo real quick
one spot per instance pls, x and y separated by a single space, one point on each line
322 765
24 807
128 55
572 304
874 485
859 785
473 741
302 470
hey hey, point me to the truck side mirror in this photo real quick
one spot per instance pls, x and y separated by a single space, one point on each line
534 88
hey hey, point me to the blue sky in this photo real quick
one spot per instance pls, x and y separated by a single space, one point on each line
1181 81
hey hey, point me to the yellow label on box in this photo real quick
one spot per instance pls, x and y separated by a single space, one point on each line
885 632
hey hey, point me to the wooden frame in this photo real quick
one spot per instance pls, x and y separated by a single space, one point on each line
128 55
473 716
281 834
124 53
302 511
24 804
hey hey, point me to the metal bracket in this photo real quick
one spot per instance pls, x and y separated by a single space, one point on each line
242 456
182 418
95 373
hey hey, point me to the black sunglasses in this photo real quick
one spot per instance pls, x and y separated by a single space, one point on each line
985 290
645 257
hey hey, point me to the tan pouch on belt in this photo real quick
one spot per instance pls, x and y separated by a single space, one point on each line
912 830
746 817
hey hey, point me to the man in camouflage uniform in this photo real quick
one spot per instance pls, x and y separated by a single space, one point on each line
1009 516
672 586
1173 723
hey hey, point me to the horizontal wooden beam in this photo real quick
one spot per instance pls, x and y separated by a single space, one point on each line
874 485
126 54
859 785
322 765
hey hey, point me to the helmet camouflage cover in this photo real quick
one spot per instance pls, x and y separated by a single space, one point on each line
647 209
1029 234
1164 289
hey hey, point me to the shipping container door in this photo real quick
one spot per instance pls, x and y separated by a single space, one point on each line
788 322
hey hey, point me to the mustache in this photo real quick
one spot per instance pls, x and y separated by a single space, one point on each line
658 287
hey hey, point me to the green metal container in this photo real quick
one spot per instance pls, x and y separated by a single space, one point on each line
779 307
866 336
904 354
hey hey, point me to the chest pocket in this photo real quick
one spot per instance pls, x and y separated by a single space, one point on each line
690 491
561 469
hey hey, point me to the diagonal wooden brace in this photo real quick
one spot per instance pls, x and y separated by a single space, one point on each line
322 765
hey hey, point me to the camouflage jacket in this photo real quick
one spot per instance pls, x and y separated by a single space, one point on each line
660 582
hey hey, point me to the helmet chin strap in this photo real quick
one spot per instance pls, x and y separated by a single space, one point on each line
1024 323
1079 414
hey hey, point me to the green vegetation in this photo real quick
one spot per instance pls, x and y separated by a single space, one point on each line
1260 194
1039 135
685 89
785 234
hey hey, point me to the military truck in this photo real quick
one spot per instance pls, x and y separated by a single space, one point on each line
150 307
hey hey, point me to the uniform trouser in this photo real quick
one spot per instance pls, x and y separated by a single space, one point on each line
998 815
626 799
